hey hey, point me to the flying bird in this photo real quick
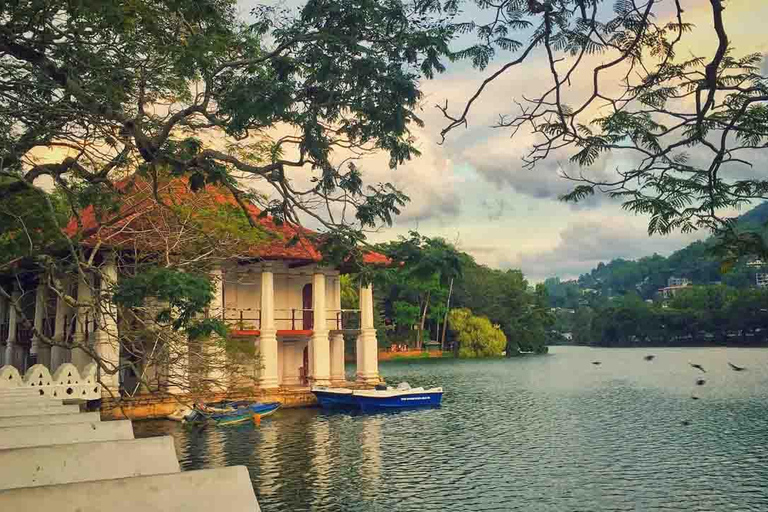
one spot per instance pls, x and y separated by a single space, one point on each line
649 357
596 363
736 368
685 422
694 397
698 367
700 382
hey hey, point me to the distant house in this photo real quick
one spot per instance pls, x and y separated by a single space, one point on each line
677 281
669 291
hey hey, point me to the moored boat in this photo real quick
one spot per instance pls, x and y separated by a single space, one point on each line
230 413
334 398
402 397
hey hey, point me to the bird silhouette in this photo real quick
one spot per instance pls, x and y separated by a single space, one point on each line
685 422
694 397
698 367
736 368
649 357
700 382
596 363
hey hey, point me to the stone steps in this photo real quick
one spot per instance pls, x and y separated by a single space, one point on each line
65 433
54 457
36 409
191 491
49 419
83 462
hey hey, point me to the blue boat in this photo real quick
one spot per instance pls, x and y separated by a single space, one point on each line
401 398
230 413
334 398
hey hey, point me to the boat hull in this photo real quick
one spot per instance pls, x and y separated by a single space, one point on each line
368 403
335 399
240 415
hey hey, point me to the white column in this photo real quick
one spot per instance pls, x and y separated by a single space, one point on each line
337 339
59 353
367 346
10 342
80 357
321 369
107 345
214 357
268 333
39 349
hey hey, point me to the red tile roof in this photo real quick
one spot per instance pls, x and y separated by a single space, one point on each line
138 209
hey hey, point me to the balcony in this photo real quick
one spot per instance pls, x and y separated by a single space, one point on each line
290 322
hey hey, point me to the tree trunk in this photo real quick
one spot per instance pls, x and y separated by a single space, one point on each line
420 339
445 318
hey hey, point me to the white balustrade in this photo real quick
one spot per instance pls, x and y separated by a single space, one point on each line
65 383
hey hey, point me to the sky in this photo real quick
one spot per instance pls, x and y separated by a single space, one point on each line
474 191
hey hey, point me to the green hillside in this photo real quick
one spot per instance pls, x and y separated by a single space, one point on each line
646 275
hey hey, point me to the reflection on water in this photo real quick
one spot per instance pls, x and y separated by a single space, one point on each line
551 433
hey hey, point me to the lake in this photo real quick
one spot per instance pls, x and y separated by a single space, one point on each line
539 433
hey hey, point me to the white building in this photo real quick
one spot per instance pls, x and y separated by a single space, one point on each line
280 298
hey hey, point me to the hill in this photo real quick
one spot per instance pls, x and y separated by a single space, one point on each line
646 275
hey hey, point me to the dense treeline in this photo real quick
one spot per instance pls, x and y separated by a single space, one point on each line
698 315
414 297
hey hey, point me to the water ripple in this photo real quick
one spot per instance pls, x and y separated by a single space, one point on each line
551 433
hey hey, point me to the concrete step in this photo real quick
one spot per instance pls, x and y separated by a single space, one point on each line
192 491
19 391
21 399
32 410
49 419
66 433
84 462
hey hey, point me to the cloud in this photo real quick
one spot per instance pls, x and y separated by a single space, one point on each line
586 242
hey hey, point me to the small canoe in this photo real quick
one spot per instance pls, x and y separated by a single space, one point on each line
232 413
334 398
391 399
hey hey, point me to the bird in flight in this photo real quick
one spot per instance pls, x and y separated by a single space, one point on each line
596 363
698 367
649 357
694 397
700 382
736 368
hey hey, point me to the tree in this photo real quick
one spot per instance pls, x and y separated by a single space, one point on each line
423 270
503 296
274 112
476 335
686 125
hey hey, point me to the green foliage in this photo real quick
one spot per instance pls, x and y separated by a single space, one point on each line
476 335
504 297
180 297
28 226
405 313
696 315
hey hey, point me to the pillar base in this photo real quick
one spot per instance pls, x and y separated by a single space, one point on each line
268 383
293 380
320 381
368 379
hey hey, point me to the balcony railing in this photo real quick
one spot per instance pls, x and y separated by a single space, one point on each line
294 319
243 318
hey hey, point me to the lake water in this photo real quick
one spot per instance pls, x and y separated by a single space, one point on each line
540 433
